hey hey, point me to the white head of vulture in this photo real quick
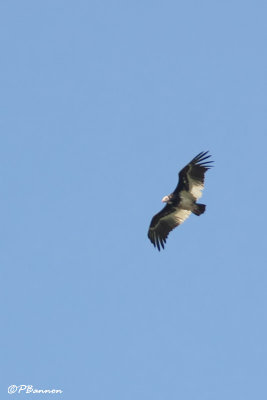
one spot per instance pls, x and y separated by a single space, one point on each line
182 201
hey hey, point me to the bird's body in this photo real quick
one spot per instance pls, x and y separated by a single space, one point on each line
182 201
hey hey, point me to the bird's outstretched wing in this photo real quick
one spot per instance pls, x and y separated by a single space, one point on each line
164 222
191 177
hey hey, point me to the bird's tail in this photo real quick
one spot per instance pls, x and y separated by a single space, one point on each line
199 209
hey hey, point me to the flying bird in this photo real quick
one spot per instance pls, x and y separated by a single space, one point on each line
182 201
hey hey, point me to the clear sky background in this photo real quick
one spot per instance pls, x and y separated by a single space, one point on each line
101 104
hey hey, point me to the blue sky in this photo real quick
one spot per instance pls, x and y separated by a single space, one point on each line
102 103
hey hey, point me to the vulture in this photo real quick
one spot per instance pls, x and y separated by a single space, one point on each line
182 201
